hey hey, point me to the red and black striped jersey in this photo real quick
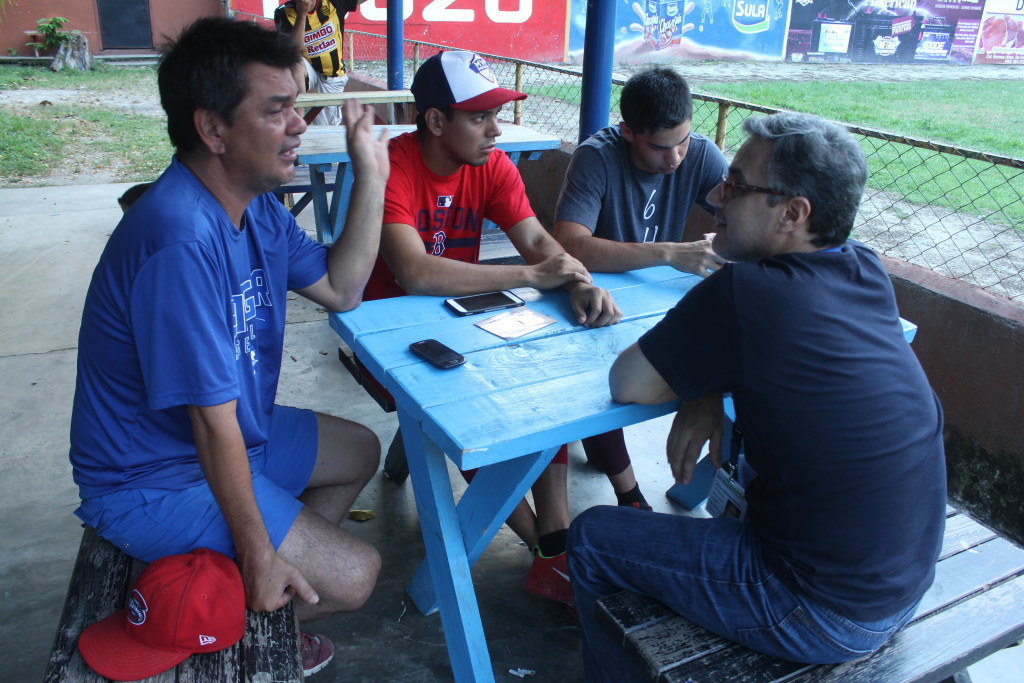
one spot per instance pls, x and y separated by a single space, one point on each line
324 27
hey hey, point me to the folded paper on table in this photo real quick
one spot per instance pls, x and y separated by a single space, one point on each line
513 324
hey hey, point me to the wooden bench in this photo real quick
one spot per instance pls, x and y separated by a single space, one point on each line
974 608
103 575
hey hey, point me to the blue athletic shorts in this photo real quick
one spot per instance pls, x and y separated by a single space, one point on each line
152 523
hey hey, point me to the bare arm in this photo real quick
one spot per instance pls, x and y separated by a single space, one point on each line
608 256
351 258
421 273
634 380
302 7
593 306
269 581
696 423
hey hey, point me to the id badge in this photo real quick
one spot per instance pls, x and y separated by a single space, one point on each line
726 498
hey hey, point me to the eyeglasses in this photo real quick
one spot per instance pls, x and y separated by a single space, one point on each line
727 189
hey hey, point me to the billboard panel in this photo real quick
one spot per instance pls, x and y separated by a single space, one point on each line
905 31
525 29
1001 39
670 30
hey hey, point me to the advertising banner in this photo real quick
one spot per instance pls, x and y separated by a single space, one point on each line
907 31
1002 33
673 30
525 29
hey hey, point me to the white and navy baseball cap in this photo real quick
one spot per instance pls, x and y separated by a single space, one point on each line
461 80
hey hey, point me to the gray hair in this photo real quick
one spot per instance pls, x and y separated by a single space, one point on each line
816 159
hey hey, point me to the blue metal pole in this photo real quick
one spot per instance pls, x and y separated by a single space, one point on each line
598 42
396 40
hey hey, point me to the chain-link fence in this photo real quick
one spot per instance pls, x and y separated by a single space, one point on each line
954 211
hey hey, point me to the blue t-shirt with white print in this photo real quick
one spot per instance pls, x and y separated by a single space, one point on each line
183 309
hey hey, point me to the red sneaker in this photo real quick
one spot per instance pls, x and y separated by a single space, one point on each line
317 650
549 579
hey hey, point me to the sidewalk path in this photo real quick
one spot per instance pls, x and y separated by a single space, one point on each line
733 72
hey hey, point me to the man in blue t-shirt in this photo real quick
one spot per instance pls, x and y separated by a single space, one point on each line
175 439
634 197
845 496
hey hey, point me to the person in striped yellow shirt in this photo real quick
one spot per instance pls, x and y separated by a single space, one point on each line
317 26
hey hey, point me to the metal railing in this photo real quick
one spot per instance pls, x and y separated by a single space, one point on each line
955 211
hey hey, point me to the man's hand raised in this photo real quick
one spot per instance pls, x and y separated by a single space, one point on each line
369 152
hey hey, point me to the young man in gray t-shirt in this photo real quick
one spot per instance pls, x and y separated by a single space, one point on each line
634 197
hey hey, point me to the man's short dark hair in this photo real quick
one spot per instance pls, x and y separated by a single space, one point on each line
816 159
204 68
655 98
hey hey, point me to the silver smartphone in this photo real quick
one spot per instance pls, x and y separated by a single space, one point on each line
481 303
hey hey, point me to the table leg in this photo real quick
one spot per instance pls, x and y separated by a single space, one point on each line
339 200
318 187
446 552
486 504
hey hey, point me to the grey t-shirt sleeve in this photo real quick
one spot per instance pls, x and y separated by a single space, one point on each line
583 189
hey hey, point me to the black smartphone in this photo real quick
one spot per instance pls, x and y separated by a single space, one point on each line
437 353
481 303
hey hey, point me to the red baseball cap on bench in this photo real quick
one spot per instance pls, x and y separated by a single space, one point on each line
179 605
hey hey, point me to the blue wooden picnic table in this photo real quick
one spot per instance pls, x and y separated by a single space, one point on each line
506 410
324 151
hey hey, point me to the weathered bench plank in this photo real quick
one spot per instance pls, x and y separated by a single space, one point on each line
973 629
972 609
102 577
98 588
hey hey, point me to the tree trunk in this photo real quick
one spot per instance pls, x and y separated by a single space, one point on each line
73 54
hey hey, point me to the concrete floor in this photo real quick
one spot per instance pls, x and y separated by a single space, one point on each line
50 240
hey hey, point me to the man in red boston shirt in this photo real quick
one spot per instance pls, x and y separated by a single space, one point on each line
446 178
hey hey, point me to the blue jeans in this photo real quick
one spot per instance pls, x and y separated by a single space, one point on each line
711 572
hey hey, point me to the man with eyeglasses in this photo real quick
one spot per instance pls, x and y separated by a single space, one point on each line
634 197
845 495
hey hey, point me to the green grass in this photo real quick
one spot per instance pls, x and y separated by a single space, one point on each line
979 115
38 140
77 139
982 116
29 145
102 78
